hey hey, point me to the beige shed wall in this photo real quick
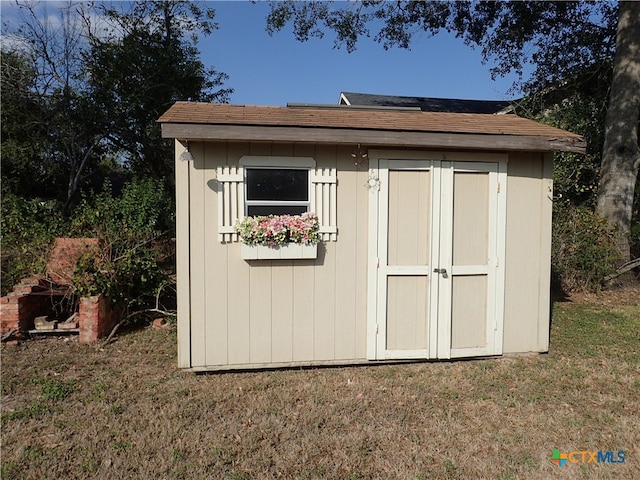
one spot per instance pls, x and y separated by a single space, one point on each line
528 253
237 313
276 312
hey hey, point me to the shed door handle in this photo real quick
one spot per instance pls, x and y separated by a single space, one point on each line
443 271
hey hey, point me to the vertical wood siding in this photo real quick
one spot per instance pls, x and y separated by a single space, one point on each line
234 313
528 253
182 257
262 312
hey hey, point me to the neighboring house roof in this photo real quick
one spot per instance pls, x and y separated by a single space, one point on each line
347 125
449 105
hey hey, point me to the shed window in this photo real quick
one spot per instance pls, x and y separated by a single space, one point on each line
276 191
268 185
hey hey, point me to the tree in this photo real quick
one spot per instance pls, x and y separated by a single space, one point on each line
50 48
23 138
81 93
572 46
88 84
621 156
146 61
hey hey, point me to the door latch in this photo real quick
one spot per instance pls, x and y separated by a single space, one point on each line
443 271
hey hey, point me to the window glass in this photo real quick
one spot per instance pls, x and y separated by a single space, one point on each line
270 184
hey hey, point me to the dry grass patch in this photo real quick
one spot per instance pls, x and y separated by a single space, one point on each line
71 411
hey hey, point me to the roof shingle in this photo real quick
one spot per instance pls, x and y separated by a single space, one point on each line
376 127
346 117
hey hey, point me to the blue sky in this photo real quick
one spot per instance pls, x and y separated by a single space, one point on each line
275 70
267 70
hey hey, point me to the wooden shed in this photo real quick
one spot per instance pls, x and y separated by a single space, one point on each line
435 234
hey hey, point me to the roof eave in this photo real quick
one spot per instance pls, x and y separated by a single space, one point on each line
380 138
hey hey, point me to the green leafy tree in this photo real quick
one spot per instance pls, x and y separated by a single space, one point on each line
573 46
87 81
145 61
57 110
83 84
579 104
25 166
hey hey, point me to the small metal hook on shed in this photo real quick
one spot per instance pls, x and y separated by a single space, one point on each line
359 156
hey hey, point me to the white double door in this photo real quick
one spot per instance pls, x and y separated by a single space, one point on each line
438 279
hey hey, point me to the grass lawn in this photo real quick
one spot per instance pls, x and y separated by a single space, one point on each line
126 411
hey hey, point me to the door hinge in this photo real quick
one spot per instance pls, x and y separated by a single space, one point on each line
498 187
377 329
377 262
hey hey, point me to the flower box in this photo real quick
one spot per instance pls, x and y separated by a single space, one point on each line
279 252
277 237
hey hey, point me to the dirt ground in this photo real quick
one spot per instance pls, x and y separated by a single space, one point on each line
126 411
618 296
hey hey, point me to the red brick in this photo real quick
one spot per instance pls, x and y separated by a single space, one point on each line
160 324
9 316
87 336
96 318
66 253
23 289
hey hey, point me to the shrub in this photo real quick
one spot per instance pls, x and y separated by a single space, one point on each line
133 229
129 227
584 248
140 211
28 227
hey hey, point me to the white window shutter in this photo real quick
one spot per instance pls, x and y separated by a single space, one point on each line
323 201
230 202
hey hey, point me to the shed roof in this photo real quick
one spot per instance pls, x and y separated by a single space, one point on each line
373 127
